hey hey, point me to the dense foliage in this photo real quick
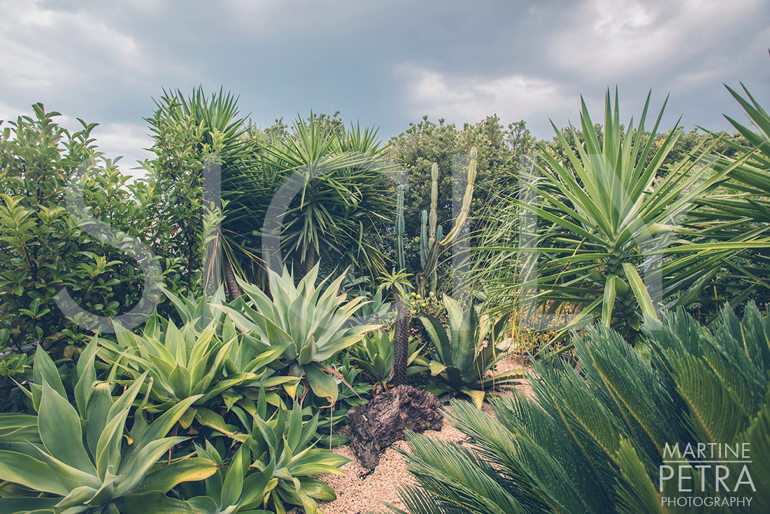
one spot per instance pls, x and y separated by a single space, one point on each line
599 437
198 369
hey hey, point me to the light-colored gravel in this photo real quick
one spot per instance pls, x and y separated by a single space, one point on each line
357 493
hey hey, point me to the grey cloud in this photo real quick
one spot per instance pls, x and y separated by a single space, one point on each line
383 63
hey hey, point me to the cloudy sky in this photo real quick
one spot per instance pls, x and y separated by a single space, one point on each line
384 63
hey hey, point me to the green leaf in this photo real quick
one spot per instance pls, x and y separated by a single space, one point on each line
211 419
61 432
640 292
29 472
169 476
323 385
609 300
436 367
152 503
44 370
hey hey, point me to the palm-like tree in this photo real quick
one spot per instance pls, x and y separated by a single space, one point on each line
609 222
399 286
336 185
202 153
742 206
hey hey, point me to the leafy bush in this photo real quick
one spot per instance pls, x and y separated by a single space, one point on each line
43 249
596 438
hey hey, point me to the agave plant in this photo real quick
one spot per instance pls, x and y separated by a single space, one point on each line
88 460
309 323
273 467
597 437
609 237
190 363
465 353
375 355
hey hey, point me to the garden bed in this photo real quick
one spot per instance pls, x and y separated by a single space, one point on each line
360 490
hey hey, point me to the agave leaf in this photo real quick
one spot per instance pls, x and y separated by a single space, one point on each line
233 484
153 502
18 428
44 370
322 384
211 419
438 337
61 432
86 376
168 477
30 472
96 414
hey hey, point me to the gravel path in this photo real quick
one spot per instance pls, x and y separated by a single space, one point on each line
358 493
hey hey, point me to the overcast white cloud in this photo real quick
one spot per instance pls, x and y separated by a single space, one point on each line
383 63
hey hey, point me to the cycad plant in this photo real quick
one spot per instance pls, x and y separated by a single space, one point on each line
608 229
615 433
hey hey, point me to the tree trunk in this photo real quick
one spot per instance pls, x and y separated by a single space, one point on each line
233 288
381 422
400 343
310 258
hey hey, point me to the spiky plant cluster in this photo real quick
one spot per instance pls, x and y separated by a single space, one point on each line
597 437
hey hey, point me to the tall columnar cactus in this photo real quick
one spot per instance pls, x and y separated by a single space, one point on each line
424 241
400 228
433 200
437 243
428 232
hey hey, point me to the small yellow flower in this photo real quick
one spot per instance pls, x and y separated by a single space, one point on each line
418 297
432 293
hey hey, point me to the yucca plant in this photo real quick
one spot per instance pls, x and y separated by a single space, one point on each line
87 460
310 323
465 353
743 205
340 180
609 237
601 437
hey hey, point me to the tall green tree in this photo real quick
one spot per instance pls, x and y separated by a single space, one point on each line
336 181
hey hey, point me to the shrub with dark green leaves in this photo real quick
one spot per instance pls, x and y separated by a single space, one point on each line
600 437
43 249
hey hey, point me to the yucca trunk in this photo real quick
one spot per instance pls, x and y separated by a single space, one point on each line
400 343
232 285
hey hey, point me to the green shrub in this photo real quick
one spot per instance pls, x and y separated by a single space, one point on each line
44 250
596 438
